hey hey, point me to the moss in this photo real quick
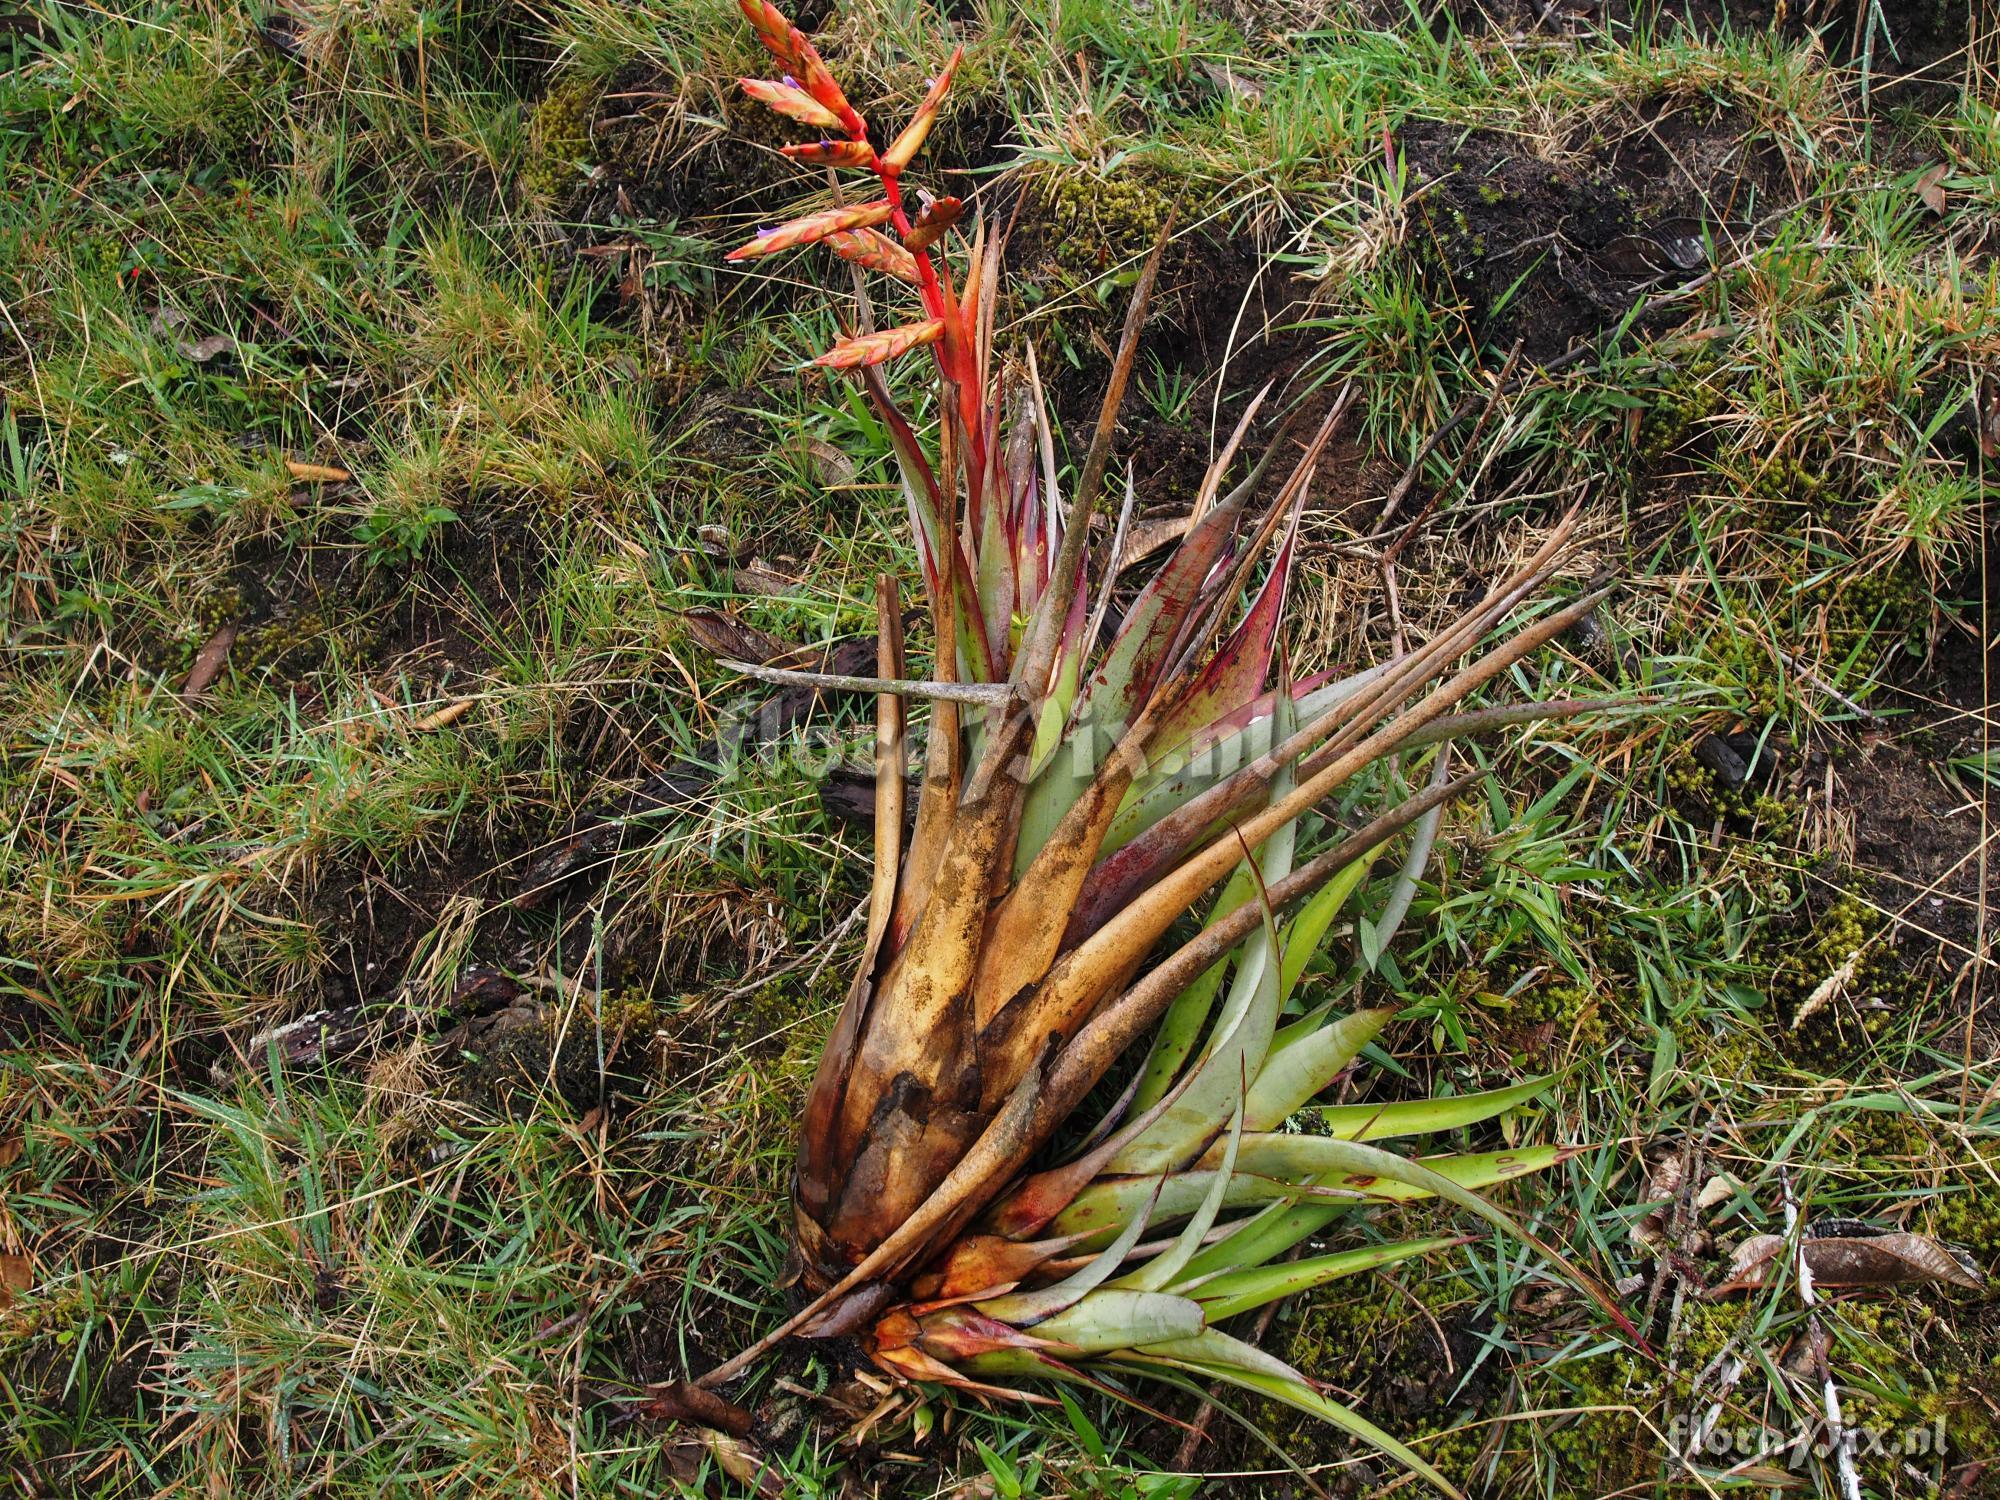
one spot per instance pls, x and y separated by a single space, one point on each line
1894 602
1572 1008
1785 481
1097 224
558 141
1745 807
1363 1333
1675 416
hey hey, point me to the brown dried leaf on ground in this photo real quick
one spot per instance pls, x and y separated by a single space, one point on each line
210 660
307 473
724 634
17 1274
1853 1255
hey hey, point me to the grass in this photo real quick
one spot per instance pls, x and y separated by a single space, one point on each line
397 339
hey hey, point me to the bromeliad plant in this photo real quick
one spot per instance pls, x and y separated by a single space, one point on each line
1080 796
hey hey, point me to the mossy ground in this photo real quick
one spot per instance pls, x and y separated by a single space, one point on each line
397 339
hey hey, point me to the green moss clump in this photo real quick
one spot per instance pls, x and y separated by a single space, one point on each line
558 141
1783 480
1674 416
1571 1007
1097 224
1894 603
1743 806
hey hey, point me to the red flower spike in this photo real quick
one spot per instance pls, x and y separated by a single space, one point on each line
772 29
814 227
873 348
875 251
932 223
833 153
793 102
911 140
820 84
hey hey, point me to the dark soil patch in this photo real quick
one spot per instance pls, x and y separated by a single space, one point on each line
1909 37
1555 253
1919 823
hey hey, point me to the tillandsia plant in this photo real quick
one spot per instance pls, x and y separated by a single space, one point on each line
1080 795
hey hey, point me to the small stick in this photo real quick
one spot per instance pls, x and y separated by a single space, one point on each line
992 694
1850 1482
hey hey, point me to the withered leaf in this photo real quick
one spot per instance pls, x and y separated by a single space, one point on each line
727 635
10 1150
1633 255
743 1463
1856 1256
307 473
210 660
755 578
1930 188
201 351
831 466
684 1401
17 1272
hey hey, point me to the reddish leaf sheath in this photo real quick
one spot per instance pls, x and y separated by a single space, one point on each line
814 227
820 84
873 348
932 223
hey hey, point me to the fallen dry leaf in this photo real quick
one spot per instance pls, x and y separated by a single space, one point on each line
831 466
1930 188
17 1272
10 1150
743 1463
726 635
755 578
210 660
201 351
316 473
684 1401
444 717
1843 1253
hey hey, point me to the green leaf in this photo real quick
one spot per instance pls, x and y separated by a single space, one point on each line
1231 1292
1371 943
1113 1318
1378 1122
1293 1076
1216 1354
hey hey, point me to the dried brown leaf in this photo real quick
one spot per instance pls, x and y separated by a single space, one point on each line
210 660
17 1272
444 717
755 578
10 1150
726 635
684 1401
1930 188
307 473
201 351
1894 1258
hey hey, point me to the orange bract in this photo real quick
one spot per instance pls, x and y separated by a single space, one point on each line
873 348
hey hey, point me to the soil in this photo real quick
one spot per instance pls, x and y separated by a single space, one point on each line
1554 251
